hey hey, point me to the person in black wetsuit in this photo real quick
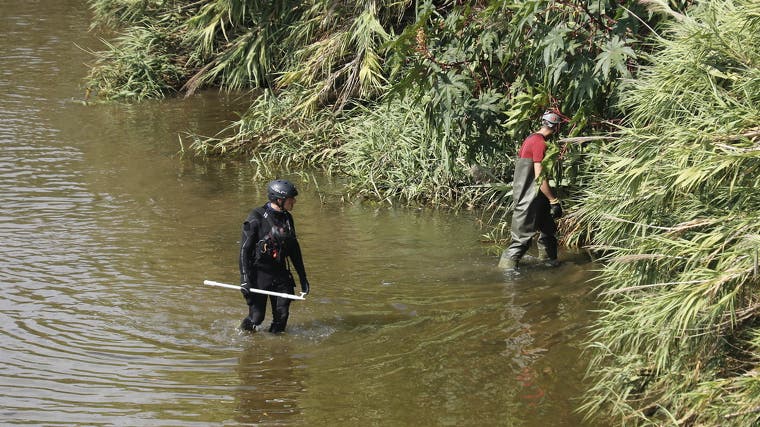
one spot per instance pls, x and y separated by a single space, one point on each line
536 206
267 243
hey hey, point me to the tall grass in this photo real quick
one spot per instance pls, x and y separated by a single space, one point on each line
676 207
273 135
387 151
389 154
140 64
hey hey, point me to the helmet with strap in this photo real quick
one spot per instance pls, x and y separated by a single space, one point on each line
551 119
280 189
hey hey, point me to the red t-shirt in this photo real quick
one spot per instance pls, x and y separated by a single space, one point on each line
534 147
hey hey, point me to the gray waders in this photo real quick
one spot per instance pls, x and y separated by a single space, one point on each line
531 215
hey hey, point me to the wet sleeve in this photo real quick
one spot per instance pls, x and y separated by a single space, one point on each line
247 248
295 255
297 259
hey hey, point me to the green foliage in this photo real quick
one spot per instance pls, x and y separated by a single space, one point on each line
274 135
385 151
121 13
485 71
338 53
329 50
388 155
140 64
239 44
674 206
478 59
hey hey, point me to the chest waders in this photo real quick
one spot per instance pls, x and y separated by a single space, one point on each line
531 215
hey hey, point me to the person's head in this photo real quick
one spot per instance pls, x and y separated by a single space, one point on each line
282 194
551 121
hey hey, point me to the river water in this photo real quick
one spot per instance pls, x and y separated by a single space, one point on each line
107 233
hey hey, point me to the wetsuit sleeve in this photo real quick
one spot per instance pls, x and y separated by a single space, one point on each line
297 259
295 255
248 241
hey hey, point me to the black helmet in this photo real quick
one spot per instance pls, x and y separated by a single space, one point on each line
280 189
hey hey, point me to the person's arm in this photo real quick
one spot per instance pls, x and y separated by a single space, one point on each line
545 188
248 251
296 257
554 205
294 253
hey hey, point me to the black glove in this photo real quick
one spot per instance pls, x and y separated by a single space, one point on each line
304 286
245 287
555 207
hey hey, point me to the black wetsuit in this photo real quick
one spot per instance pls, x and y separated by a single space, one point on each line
267 243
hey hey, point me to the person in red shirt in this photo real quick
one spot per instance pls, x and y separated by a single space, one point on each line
535 206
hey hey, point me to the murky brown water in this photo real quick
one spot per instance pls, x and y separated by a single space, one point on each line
106 235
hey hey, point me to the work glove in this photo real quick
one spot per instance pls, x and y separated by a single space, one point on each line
305 286
555 207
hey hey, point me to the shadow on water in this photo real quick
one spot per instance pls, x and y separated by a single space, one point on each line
107 235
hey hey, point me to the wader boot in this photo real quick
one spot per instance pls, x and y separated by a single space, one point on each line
547 252
544 259
508 263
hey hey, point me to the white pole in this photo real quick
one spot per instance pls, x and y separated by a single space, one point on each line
254 290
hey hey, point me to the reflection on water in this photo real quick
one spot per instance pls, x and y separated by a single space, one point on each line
106 235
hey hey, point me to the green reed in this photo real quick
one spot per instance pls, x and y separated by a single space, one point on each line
674 206
140 64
